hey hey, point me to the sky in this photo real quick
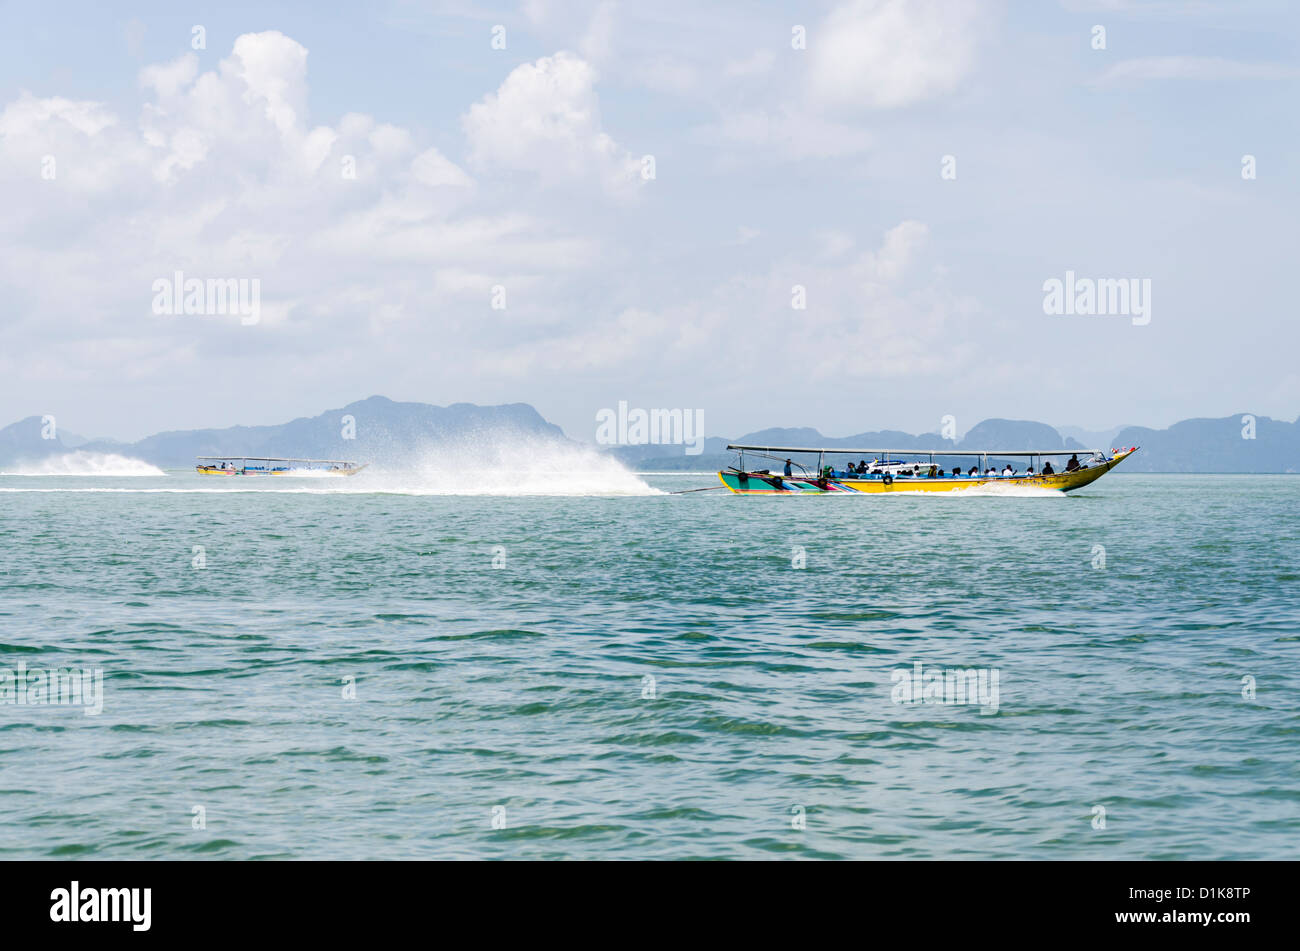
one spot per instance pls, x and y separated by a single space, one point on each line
843 215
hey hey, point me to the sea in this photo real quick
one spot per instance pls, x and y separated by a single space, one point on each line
577 661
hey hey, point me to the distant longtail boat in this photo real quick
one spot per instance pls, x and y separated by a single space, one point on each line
269 465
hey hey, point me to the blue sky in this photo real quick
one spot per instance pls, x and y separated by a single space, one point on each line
522 168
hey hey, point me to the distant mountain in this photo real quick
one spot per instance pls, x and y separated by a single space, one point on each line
1092 438
25 439
1240 443
1013 434
372 430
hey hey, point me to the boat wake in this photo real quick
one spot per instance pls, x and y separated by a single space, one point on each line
505 468
1005 491
86 464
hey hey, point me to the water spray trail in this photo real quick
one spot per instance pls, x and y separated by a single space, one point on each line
86 464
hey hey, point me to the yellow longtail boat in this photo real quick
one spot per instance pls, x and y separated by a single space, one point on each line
915 470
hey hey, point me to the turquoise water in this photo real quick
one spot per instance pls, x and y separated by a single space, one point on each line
520 695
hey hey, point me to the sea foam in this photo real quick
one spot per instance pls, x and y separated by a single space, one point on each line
85 464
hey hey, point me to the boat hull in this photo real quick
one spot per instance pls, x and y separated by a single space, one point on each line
214 470
751 483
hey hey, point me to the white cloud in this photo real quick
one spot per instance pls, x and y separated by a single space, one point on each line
168 79
891 53
899 248
23 118
274 72
545 119
223 177
870 316
431 167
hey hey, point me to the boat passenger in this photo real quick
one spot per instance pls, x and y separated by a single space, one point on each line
1047 468
956 472
1073 463
1008 471
788 470
1029 471
973 471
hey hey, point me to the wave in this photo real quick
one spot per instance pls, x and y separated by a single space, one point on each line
86 464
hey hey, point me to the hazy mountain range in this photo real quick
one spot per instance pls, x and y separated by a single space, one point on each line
381 430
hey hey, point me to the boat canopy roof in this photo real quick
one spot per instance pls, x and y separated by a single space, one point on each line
920 452
338 462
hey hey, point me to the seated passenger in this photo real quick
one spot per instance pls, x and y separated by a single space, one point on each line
1008 471
972 471
1073 463
1047 468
